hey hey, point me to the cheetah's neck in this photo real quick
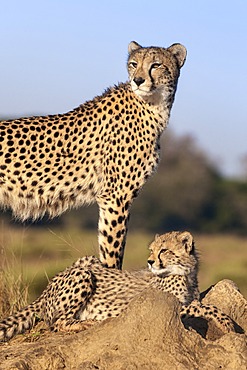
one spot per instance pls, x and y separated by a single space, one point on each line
160 103
188 286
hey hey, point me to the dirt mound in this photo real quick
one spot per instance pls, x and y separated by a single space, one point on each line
148 335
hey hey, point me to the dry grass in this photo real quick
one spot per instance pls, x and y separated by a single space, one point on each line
30 256
13 292
13 288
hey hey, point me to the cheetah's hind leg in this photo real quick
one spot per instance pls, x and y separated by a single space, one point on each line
209 312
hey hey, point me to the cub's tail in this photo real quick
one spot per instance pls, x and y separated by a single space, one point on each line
18 323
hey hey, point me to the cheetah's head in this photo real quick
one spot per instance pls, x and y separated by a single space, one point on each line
154 71
173 254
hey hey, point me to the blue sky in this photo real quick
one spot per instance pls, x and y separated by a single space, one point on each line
55 54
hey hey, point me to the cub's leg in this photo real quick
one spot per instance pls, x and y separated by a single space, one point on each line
63 323
63 305
209 312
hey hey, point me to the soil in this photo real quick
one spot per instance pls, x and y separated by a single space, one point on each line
149 335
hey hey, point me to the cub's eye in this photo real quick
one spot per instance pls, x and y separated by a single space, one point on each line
155 65
133 64
163 250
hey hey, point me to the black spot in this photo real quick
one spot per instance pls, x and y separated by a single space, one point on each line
119 234
126 206
116 244
110 239
120 219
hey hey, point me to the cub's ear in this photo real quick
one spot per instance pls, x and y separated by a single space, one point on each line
133 46
157 238
187 240
179 52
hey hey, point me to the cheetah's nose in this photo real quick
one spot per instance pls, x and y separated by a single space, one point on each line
150 262
139 80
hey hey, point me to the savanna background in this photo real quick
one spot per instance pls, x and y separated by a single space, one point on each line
57 54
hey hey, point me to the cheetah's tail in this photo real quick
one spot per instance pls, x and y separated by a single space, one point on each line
18 323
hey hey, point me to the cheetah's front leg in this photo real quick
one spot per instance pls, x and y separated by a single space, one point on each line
113 226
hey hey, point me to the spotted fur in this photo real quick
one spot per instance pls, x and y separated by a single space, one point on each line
87 291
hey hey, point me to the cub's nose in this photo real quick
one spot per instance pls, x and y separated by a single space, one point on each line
150 262
139 80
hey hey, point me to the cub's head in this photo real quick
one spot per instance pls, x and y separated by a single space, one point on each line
173 254
154 71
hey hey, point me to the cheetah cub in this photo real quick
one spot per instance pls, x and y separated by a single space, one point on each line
87 291
103 151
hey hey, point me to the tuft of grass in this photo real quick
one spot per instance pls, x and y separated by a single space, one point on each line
14 292
14 289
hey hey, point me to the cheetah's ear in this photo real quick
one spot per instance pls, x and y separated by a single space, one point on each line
179 52
187 240
133 46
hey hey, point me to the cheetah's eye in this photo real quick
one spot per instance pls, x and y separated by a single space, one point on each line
155 65
133 64
163 250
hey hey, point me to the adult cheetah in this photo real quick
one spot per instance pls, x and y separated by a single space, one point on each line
102 151
87 291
